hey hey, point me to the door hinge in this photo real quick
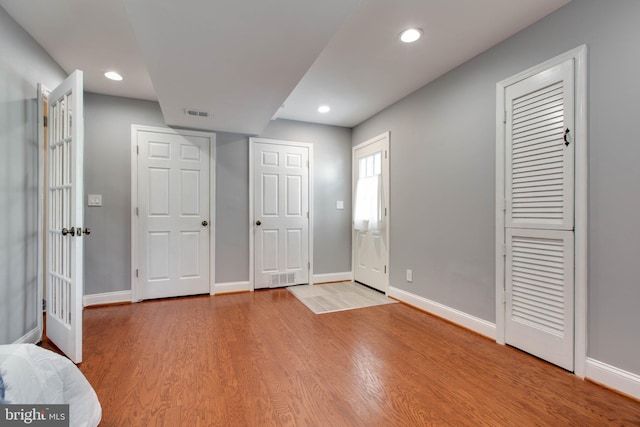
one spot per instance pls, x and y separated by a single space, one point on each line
385 269
385 211
504 117
137 212
44 121
385 154
137 149
503 205
307 163
504 250
136 272
309 265
44 304
307 215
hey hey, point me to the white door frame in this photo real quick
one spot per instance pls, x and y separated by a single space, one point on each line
43 93
135 285
354 182
579 55
308 146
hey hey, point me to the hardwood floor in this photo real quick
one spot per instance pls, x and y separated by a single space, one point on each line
264 359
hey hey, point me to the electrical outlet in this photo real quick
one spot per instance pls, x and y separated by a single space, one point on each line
409 276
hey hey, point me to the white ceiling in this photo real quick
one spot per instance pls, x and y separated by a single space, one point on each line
246 61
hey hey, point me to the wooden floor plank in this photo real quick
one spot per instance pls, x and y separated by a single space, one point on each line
262 358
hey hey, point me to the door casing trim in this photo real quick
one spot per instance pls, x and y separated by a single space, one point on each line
43 98
579 56
135 297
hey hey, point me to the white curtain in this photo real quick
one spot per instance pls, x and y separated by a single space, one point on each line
369 207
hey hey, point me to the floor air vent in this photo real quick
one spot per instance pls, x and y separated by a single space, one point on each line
280 279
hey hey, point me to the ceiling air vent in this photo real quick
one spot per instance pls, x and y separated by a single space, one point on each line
196 113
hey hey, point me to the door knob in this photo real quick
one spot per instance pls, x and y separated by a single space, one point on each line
258 223
87 231
65 231
72 231
205 223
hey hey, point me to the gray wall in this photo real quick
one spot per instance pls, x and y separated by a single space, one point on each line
107 171
23 64
443 173
108 123
232 208
332 182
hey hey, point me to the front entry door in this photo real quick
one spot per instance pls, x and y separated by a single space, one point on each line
65 216
281 213
173 211
370 221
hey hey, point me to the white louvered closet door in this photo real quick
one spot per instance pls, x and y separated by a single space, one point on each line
540 215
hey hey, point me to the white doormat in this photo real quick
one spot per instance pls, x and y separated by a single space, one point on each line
341 296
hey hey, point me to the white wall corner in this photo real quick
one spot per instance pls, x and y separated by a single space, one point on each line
34 336
332 277
615 378
229 287
107 298
458 317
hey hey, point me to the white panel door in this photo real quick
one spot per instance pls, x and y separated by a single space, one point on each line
65 217
281 214
173 198
371 195
539 218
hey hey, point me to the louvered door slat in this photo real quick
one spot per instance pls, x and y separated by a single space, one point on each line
533 145
544 278
547 91
540 106
551 133
551 291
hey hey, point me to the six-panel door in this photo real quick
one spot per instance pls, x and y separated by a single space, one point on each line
173 188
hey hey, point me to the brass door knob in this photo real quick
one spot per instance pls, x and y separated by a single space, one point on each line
65 231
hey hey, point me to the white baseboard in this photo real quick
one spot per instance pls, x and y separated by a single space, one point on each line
612 377
473 323
225 288
34 336
106 298
333 277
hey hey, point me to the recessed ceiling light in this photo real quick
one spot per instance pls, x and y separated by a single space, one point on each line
324 109
410 35
113 76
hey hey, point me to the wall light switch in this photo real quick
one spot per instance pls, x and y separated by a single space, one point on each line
95 200
340 204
